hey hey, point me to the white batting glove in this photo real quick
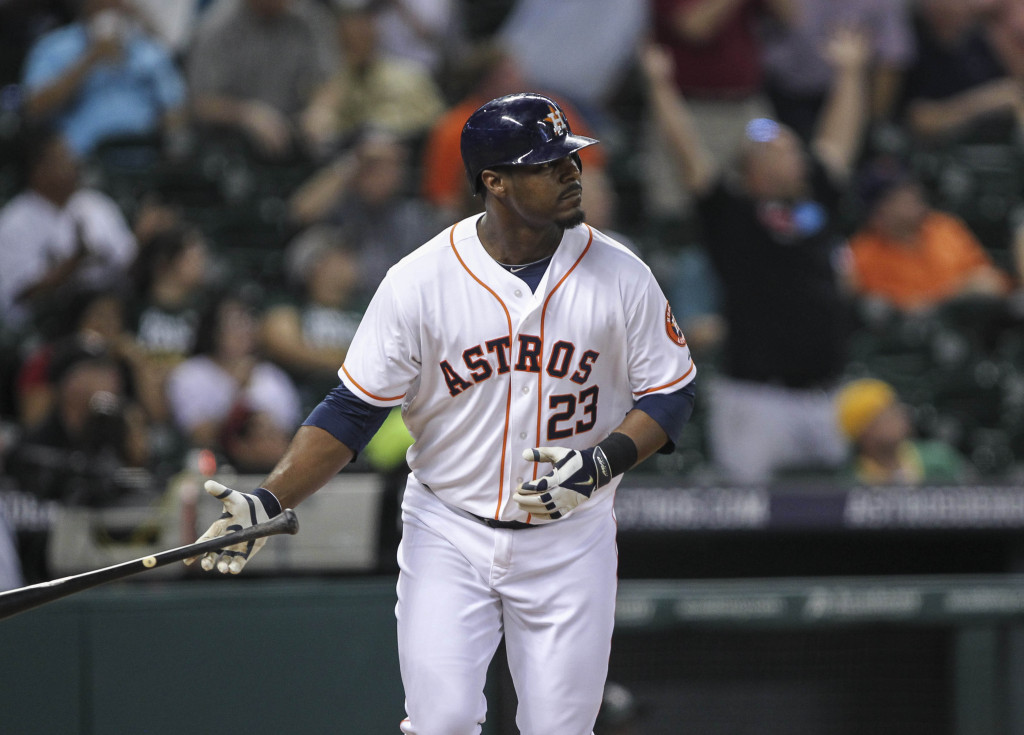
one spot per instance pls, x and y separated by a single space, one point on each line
241 510
575 476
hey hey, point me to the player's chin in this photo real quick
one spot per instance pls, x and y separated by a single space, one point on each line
571 219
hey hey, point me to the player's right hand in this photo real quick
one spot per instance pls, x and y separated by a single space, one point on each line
241 510
576 474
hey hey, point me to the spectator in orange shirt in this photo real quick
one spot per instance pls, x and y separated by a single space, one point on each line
487 72
912 256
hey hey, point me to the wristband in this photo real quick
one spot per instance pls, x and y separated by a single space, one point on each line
620 451
270 502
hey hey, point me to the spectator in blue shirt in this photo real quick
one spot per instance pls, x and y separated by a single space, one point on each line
102 76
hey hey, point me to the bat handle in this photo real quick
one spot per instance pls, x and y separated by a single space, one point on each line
285 522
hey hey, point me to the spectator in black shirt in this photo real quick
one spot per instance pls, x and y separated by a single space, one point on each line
769 225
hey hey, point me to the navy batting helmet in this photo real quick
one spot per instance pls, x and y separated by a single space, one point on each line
517 130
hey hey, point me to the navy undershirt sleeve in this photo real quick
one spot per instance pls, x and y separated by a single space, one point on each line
348 419
671 411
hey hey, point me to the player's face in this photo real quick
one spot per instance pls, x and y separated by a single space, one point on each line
547 193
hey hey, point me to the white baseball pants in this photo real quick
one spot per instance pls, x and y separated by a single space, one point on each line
549 590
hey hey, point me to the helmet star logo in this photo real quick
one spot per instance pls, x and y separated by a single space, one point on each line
557 121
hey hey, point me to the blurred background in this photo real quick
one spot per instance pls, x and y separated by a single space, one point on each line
199 197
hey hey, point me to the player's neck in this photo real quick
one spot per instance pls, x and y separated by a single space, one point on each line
517 244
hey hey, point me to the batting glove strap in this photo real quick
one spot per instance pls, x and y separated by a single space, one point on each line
270 502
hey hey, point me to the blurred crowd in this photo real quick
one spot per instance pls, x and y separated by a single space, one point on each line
198 198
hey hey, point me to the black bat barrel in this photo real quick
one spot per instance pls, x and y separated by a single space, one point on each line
19 600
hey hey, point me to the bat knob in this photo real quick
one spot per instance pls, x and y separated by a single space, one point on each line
291 521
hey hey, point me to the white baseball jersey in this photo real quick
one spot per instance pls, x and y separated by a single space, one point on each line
483 368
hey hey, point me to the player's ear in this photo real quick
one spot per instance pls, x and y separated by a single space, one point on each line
493 181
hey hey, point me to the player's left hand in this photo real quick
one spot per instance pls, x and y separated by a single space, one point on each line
573 479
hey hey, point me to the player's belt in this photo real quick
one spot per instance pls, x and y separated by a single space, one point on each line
491 522
495 523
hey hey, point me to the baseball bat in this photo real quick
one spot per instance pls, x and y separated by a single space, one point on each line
19 600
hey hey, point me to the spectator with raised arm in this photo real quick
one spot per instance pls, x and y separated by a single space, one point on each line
770 230
798 75
716 52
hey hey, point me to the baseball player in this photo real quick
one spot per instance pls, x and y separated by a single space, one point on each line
535 360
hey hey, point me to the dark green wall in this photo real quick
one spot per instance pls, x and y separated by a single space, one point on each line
223 656
309 655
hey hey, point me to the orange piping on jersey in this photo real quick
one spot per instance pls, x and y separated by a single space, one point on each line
508 395
366 392
667 385
543 318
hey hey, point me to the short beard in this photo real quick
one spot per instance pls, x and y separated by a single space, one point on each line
572 220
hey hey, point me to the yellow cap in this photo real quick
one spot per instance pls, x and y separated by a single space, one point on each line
860 402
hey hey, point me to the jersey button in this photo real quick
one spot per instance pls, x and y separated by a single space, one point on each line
519 292
526 389
522 434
